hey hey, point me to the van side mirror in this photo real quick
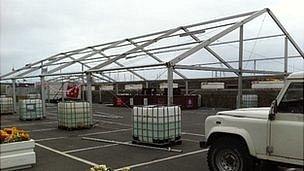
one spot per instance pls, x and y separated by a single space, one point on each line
273 110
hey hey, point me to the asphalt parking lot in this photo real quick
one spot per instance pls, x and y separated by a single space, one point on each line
58 149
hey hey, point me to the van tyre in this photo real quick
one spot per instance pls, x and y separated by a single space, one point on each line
229 154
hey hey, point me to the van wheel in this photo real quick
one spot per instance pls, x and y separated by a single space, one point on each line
229 154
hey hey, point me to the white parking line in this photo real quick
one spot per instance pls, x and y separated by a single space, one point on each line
105 132
90 148
164 159
67 155
45 129
29 124
115 123
107 115
94 133
184 139
189 133
48 139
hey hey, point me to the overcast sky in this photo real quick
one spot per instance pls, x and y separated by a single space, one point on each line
35 29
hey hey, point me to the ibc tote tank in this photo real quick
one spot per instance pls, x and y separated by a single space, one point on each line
159 125
30 109
74 115
6 105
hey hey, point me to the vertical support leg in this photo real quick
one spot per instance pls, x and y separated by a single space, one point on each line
49 91
89 92
187 87
147 84
116 88
170 86
285 58
62 93
82 87
42 81
240 80
99 94
14 95
254 66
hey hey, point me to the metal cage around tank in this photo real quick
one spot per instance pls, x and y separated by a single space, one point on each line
158 125
74 115
30 109
6 105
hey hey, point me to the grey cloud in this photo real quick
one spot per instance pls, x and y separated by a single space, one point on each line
34 29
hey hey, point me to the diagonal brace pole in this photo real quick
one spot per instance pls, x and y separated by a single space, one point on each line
121 65
84 57
135 49
216 37
211 51
285 32
157 59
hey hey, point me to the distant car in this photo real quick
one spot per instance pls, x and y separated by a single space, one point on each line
238 139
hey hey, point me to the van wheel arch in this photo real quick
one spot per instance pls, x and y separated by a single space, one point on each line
215 136
230 145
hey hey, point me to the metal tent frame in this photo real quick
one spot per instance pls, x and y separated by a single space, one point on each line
137 47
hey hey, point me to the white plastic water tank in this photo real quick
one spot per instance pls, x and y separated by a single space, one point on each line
157 124
33 96
212 85
30 109
6 105
267 84
74 115
249 100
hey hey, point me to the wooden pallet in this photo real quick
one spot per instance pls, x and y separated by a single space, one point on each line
163 143
74 128
32 119
7 113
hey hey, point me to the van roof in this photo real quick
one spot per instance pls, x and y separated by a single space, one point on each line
296 75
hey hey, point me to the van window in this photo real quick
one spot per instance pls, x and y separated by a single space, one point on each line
292 101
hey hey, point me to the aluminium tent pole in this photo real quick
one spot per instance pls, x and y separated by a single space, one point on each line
240 78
